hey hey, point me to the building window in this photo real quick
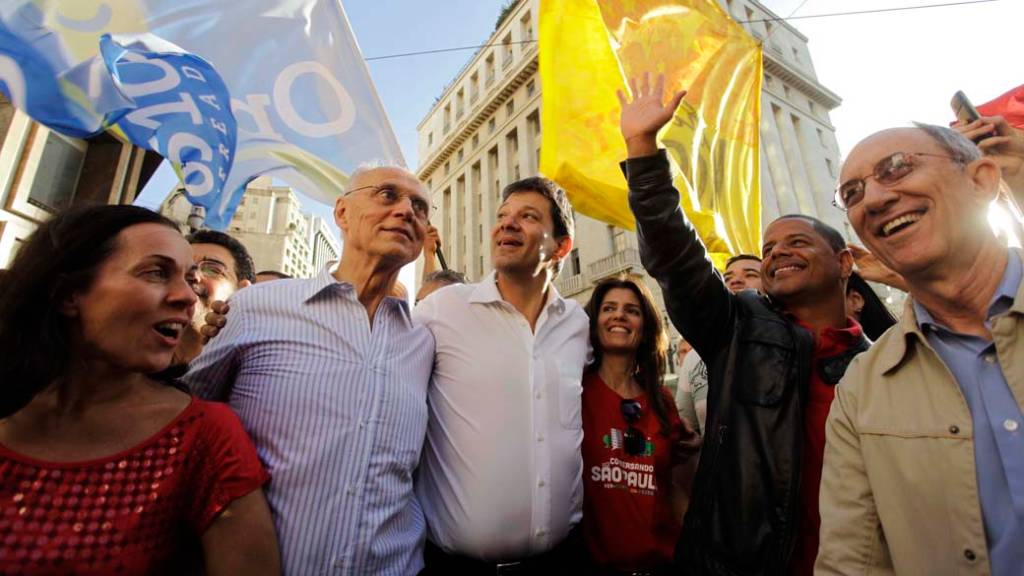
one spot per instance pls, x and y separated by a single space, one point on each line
447 117
489 69
533 124
768 80
811 106
475 141
458 157
460 103
446 239
787 92
533 136
574 262
831 168
447 168
430 139
526 27
506 48
53 186
530 88
618 239
510 107
796 55
821 137
490 126
474 87
750 14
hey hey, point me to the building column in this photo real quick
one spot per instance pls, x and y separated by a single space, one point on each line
489 206
795 161
784 199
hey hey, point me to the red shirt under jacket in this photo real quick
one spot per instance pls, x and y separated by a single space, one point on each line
829 342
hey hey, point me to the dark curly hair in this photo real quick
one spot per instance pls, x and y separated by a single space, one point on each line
60 258
652 353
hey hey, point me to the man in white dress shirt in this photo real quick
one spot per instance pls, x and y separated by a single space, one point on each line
500 478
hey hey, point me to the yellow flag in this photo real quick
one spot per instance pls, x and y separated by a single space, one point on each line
588 48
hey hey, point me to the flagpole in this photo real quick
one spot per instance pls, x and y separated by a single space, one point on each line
440 257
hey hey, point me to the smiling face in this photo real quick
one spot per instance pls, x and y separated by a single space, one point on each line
620 321
133 315
935 214
799 264
522 240
380 217
743 274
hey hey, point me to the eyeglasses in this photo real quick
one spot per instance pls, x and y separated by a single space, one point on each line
387 195
887 171
212 269
634 442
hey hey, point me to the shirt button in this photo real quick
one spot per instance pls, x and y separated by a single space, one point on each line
541 533
351 489
541 483
1010 425
540 438
538 395
954 429
990 358
970 555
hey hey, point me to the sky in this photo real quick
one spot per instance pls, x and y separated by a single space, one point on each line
889 68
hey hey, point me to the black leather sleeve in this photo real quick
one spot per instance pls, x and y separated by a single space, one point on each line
698 302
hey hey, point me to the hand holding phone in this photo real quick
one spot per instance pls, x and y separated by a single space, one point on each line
964 110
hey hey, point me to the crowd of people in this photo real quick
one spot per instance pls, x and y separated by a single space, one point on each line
322 426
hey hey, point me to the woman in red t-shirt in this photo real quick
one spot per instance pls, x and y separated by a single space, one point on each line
104 469
636 451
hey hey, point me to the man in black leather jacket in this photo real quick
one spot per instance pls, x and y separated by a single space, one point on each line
772 363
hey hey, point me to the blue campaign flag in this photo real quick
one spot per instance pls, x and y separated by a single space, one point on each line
31 81
306 109
181 109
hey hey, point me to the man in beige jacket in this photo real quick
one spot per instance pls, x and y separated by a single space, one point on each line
924 463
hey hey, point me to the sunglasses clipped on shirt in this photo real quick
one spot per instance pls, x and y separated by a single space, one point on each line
634 442
887 171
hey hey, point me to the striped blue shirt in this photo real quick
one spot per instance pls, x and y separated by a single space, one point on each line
338 412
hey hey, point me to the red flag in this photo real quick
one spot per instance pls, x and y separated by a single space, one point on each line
1009 106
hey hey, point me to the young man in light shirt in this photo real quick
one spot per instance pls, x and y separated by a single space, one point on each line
500 479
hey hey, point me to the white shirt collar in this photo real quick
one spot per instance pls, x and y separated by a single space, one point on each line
486 292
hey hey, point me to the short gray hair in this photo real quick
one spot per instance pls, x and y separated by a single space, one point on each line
376 165
956 144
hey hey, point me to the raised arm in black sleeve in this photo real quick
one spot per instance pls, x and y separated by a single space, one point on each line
697 299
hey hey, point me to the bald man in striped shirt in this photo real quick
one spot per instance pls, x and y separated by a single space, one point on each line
329 376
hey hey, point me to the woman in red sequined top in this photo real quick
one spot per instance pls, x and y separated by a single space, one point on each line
104 469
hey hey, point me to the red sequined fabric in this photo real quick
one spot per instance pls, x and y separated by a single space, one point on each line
141 511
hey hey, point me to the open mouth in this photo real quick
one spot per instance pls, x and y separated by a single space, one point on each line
170 330
618 330
900 223
509 243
